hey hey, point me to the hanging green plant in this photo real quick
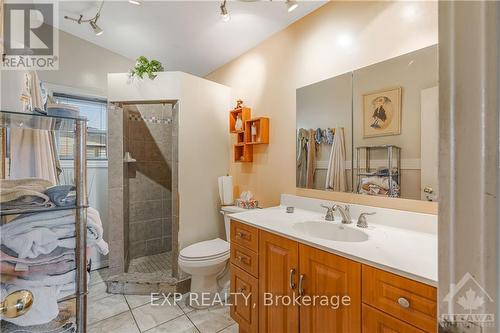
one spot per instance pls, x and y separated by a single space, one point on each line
144 66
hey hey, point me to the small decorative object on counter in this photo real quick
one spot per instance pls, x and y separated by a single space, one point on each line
247 201
144 66
290 209
239 123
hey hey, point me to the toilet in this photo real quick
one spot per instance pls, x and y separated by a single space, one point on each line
207 263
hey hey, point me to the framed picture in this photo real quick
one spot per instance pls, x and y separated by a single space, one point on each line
382 113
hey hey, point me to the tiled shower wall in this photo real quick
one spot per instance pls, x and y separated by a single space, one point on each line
148 137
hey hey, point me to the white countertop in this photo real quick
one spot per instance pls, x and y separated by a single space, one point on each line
406 252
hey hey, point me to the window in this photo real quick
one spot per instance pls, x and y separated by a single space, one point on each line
96 112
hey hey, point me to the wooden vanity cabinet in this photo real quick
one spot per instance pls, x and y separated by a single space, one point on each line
326 274
278 274
264 264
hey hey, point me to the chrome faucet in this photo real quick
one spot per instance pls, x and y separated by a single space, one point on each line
343 210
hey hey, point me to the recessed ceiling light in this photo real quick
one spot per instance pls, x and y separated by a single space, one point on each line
291 5
135 2
224 13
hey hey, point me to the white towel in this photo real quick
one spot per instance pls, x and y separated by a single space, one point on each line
336 177
43 309
35 234
32 151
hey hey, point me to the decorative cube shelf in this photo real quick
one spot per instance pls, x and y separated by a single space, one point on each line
244 113
243 148
261 127
243 153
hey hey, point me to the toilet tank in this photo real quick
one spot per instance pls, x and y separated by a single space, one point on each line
226 211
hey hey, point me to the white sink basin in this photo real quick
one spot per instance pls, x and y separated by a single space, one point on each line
331 231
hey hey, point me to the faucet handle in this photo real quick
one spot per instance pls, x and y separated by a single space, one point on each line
329 213
362 223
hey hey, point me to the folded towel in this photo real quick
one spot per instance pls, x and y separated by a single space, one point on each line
46 313
43 309
375 185
35 271
60 195
26 193
31 235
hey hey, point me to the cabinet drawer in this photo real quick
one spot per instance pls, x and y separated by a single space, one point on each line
245 235
403 298
245 259
375 321
244 308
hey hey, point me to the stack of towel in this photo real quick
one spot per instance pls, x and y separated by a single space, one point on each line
37 250
378 185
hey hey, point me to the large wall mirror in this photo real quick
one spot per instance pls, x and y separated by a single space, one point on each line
372 131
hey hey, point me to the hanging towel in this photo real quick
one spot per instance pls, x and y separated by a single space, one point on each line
336 176
33 151
311 158
301 157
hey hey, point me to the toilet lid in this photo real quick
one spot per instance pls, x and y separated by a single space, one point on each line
206 249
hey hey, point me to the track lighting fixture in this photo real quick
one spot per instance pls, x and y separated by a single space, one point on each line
224 13
291 5
91 21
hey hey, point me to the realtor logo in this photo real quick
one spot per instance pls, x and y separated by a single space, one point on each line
471 299
30 36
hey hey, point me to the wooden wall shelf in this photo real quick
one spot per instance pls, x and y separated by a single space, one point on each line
243 153
262 131
244 113
243 148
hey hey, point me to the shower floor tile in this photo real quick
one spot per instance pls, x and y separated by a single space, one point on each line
157 263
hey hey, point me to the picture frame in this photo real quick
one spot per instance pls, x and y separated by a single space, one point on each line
382 113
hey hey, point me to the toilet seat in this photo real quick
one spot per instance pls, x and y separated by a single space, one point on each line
207 250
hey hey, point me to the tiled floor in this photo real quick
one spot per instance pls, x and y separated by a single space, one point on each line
133 314
158 263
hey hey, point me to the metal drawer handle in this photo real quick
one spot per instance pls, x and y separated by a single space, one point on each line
301 283
242 259
403 302
16 304
242 235
292 275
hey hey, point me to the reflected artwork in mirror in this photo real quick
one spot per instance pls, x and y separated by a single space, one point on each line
372 131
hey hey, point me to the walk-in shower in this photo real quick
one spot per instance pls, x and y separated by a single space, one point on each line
143 197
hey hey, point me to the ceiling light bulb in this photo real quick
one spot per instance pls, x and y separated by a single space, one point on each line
97 30
135 2
291 5
224 13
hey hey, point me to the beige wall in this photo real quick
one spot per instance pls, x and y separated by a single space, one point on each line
338 37
84 66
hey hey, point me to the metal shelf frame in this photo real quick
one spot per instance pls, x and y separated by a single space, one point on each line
12 119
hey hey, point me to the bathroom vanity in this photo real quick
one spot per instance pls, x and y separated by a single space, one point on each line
388 273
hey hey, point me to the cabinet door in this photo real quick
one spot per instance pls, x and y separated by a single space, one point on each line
375 321
244 291
328 275
278 270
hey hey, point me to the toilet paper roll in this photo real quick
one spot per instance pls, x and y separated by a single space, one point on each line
226 190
